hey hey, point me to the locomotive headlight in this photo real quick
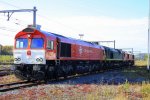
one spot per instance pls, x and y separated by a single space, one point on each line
17 59
39 59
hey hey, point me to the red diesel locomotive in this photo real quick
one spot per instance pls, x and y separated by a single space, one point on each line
44 55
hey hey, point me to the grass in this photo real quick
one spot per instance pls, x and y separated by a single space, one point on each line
141 63
145 89
139 70
76 92
6 59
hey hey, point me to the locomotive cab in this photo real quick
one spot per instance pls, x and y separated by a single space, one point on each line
29 47
29 54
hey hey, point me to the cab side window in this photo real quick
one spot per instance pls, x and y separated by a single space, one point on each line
50 44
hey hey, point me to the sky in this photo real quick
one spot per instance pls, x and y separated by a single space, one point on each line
125 21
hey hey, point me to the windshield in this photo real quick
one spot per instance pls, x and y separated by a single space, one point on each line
22 43
37 43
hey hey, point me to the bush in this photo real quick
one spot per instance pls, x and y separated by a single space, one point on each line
6 59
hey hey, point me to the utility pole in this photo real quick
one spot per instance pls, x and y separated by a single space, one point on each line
10 12
98 42
0 49
148 39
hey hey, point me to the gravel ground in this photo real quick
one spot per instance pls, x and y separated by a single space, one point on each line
110 77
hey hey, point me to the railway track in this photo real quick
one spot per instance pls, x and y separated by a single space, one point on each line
18 85
6 63
5 69
25 84
5 72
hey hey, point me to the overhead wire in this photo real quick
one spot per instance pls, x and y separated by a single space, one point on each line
8 35
6 3
7 28
16 21
44 17
57 22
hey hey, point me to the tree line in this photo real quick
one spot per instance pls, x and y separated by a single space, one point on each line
6 50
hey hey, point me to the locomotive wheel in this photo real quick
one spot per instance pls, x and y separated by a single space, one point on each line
65 75
39 75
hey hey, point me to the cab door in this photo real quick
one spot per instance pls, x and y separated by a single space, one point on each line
50 49
58 48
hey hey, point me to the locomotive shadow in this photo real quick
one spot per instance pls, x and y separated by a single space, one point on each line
110 77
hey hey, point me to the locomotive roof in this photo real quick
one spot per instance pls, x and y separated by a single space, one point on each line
116 50
72 40
112 49
62 38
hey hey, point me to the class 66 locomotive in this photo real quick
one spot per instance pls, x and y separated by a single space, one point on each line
41 55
